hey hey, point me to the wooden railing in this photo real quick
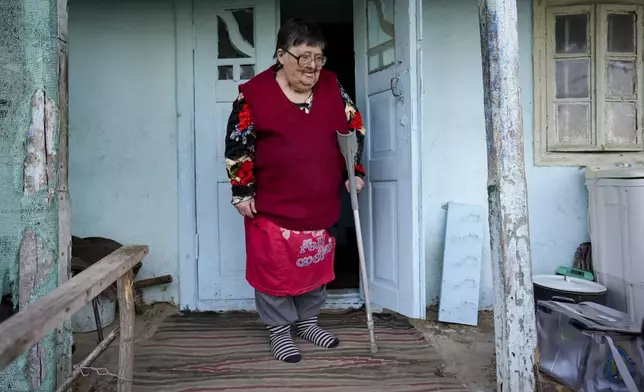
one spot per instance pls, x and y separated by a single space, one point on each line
31 324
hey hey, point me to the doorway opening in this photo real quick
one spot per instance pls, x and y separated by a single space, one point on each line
335 18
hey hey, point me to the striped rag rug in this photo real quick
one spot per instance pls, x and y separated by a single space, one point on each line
207 352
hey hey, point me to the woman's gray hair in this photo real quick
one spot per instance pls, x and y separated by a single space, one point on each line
299 31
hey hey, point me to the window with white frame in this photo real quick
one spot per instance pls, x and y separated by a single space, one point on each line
588 82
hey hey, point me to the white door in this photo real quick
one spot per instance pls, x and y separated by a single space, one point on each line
388 93
233 41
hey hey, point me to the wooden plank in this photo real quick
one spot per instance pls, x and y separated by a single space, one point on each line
37 259
459 301
164 279
62 20
126 343
51 155
36 263
514 316
102 346
35 167
33 322
64 335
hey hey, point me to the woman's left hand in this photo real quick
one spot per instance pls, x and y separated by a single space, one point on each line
359 184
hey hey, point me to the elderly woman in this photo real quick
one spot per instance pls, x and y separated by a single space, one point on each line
286 172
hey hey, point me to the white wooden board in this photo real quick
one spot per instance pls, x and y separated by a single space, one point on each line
459 300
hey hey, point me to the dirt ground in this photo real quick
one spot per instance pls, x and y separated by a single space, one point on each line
467 352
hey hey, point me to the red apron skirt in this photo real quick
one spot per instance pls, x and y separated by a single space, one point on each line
283 262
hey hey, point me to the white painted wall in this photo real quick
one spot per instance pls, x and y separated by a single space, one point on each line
123 154
455 161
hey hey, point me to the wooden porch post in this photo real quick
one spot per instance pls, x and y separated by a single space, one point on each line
37 36
64 365
514 315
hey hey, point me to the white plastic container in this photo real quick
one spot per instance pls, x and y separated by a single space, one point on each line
616 226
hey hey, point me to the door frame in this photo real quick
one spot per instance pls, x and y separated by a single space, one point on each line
188 245
186 180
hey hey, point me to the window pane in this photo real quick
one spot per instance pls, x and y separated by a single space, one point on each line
571 33
621 33
621 78
620 123
573 78
247 72
573 124
380 34
225 72
233 45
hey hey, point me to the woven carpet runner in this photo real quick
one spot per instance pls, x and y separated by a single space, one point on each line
208 352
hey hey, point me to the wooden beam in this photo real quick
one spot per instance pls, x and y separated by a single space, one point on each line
126 343
40 80
37 257
164 279
31 323
514 316
102 346
64 331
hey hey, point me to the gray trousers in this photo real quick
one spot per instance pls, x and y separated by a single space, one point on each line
276 311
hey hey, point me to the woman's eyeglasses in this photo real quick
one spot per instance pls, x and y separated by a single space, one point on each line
305 60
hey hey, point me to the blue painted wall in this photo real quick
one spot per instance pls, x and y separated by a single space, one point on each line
455 162
123 152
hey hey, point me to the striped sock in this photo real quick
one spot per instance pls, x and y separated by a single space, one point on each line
282 346
308 329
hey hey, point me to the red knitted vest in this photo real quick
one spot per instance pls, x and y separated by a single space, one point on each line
298 165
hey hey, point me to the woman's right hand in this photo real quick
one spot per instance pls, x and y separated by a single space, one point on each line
247 208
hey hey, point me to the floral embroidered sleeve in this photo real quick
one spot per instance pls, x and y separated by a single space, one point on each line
240 151
355 125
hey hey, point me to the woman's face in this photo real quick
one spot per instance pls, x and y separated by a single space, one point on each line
302 65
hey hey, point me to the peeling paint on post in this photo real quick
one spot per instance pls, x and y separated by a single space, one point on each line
37 259
36 264
514 316
35 163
